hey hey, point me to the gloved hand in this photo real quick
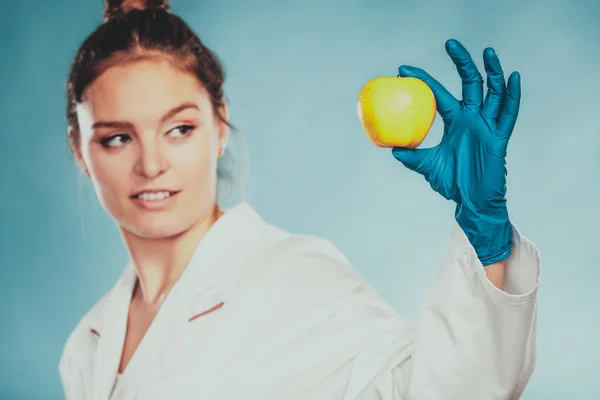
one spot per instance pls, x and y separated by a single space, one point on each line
468 165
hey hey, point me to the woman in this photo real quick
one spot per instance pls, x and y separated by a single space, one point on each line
222 305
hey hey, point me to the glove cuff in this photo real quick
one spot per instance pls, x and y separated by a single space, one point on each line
490 235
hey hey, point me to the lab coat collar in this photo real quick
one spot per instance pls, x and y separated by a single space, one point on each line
229 240
199 291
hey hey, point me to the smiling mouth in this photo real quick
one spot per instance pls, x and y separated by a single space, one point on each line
154 195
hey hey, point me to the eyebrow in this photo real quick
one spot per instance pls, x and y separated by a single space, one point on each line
129 125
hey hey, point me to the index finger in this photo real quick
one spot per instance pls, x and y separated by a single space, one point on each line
445 102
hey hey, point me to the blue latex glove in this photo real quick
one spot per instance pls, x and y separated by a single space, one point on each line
468 166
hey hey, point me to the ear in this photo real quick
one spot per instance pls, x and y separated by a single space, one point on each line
75 143
223 129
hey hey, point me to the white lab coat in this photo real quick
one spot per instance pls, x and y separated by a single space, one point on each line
260 313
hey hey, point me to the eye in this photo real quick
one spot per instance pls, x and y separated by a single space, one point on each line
115 141
181 131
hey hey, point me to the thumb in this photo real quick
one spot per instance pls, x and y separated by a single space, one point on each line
411 158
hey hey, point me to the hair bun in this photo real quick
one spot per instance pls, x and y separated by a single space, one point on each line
116 8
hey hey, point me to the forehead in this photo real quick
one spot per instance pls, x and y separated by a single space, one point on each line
142 88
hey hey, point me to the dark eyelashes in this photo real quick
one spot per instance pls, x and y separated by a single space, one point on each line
107 140
185 131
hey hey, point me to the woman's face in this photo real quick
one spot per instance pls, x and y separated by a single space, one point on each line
150 143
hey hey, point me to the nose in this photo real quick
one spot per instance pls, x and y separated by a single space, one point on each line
152 160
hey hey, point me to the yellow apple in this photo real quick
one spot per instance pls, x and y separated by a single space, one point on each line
396 111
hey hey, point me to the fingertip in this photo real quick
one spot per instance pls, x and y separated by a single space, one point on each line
514 85
402 154
489 52
515 79
451 43
396 150
406 70
453 46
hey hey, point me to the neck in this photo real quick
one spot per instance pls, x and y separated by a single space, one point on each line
160 262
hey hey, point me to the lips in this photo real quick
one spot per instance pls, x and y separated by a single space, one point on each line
154 195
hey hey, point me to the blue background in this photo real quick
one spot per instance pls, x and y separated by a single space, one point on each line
294 72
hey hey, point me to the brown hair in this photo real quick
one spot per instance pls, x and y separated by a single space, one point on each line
138 29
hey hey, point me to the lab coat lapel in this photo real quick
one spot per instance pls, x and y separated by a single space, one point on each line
245 239
234 239
233 245
111 328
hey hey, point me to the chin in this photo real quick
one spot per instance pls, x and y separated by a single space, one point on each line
161 227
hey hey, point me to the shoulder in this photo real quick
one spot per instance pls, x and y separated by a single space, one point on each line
303 257
313 261
300 272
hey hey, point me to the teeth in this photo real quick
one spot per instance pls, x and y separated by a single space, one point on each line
154 196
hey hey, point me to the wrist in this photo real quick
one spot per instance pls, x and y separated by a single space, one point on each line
490 232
